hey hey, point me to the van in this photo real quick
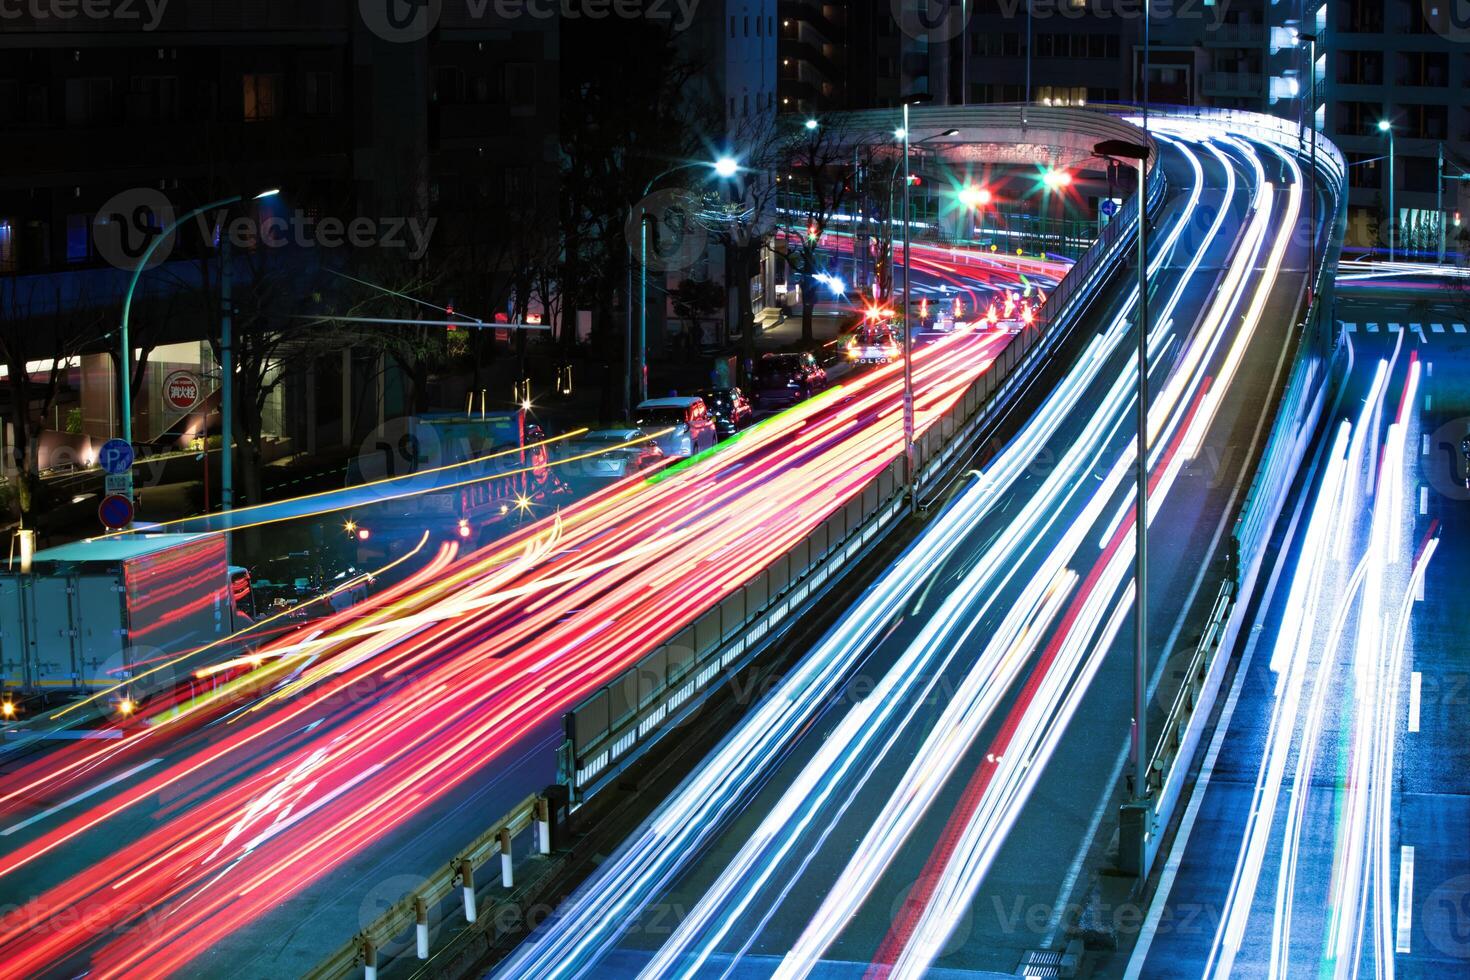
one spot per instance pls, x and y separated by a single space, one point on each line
693 430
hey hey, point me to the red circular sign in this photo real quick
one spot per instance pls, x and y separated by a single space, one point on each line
115 511
181 390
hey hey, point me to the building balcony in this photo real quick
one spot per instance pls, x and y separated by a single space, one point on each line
1235 85
1236 36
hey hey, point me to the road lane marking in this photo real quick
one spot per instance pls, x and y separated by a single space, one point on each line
38 817
1395 328
1424 450
1436 328
1419 332
1406 899
1416 683
1372 327
1459 328
1423 500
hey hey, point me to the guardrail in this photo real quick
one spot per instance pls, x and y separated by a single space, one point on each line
1313 376
410 914
610 729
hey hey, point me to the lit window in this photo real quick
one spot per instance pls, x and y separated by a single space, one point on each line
262 97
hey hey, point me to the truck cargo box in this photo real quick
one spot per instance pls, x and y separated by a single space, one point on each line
93 613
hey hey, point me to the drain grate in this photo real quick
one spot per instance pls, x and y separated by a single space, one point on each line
1040 963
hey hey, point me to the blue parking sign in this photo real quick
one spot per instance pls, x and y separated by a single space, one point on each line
115 457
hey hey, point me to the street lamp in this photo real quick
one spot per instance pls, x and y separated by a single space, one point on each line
227 401
1385 126
725 167
910 474
1311 40
974 197
1138 153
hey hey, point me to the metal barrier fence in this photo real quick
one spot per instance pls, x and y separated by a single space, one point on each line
1313 376
410 914
610 729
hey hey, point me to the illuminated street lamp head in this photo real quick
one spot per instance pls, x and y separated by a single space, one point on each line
726 167
126 706
270 193
974 197
899 133
7 708
1056 179
1384 125
811 124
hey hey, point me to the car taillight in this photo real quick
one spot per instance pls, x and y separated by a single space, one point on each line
363 534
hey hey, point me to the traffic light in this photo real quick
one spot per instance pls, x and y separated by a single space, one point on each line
914 180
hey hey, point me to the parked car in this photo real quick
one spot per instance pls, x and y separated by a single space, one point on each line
786 378
611 463
730 408
693 431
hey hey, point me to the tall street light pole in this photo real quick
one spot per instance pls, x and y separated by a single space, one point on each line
724 167
1138 153
1439 201
1386 126
226 358
1311 40
910 470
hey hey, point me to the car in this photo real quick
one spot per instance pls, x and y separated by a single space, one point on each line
684 421
616 458
730 408
874 343
788 378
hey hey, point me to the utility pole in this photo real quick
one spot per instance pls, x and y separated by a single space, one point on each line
1439 200
1137 812
908 343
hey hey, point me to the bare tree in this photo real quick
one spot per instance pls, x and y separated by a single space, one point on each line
51 336
817 183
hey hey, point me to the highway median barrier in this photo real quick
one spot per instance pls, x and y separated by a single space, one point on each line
1318 367
615 726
